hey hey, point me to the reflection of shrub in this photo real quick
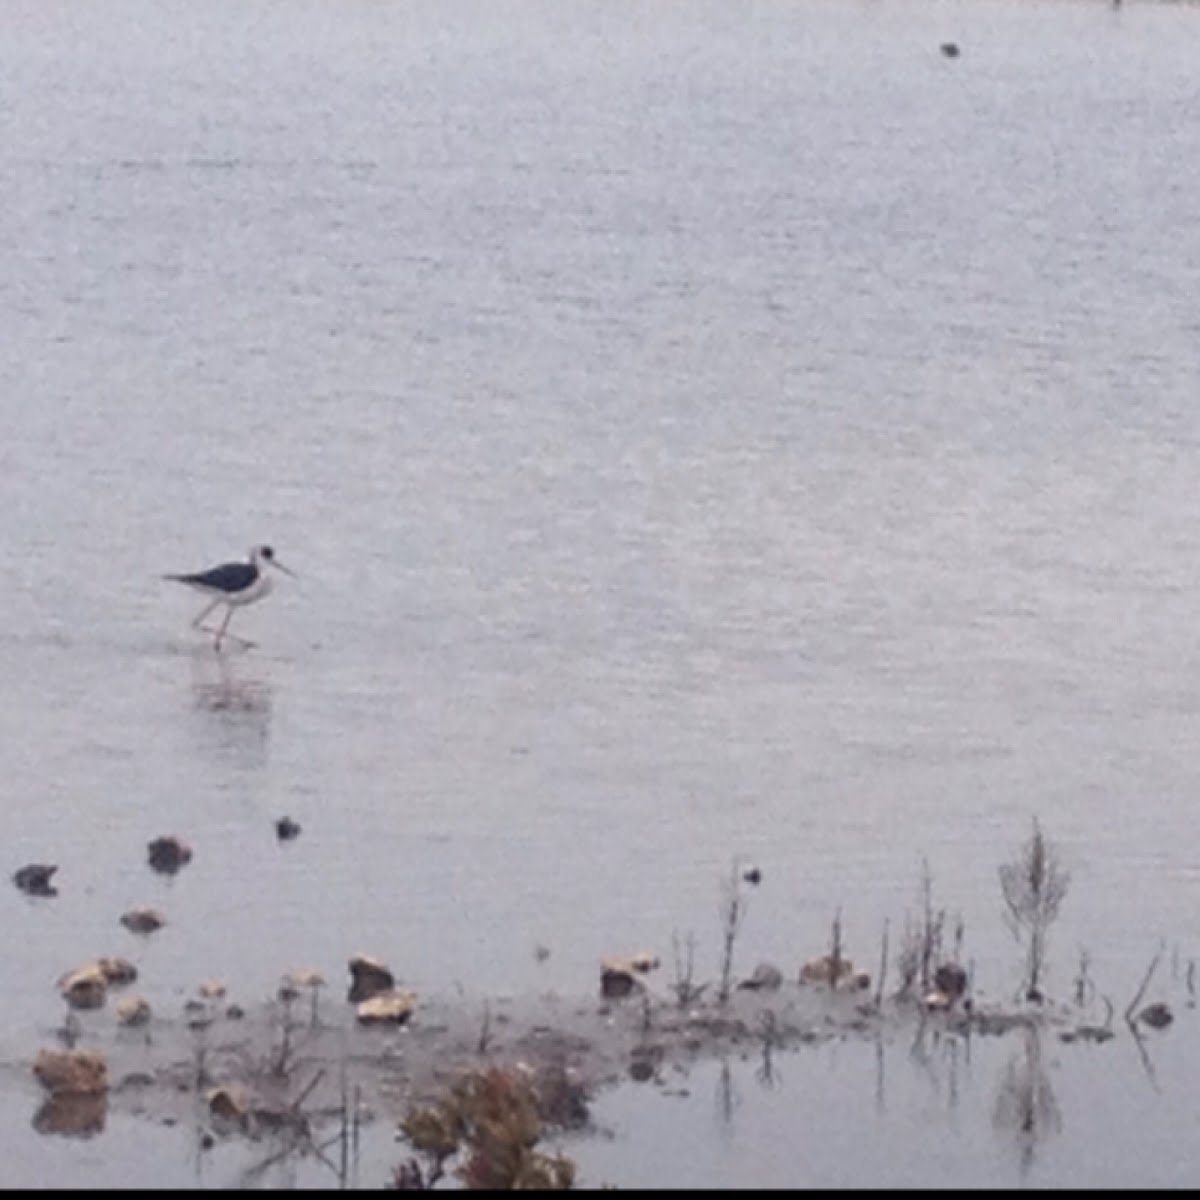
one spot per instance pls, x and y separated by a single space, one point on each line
1034 885
491 1121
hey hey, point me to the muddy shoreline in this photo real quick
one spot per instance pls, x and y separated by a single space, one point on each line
311 1071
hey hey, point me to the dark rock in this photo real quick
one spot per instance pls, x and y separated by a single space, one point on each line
286 829
168 854
766 977
34 879
143 920
1157 1016
950 979
369 977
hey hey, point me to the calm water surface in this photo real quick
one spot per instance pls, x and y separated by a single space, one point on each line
703 429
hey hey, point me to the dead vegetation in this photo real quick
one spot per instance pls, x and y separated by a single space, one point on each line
485 1128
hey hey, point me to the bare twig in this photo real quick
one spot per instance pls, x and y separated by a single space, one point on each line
1137 999
485 1030
883 966
733 913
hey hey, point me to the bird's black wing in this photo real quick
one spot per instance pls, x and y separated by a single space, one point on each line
230 577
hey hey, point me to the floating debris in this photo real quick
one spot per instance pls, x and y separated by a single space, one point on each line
74 1072
369 977
949 49
752 876
387 1008
133 1011
168 854
766 977
34 880
286 829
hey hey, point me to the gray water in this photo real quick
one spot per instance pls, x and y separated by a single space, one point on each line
703 430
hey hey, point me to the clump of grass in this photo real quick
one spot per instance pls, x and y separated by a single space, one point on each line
684 954
489 1123
921 942
1033 884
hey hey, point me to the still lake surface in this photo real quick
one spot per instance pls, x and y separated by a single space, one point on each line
703 430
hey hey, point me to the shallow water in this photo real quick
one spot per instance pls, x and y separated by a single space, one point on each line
703 431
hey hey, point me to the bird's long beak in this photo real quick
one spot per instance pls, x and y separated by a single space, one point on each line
276 563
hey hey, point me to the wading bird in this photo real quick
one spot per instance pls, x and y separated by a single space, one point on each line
233 584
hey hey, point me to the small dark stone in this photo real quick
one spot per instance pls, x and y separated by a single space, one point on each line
369 978
286 829
753 875
168 854
143 920
765 977
1157 1016
950 49
34 879
641 1070
951 979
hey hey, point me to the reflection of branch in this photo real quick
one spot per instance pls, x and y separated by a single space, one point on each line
880 1102
1144 1055
767 1073
725 1096
1145 984
1025 1101
883 965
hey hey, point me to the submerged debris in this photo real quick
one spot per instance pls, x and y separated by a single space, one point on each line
35 879
168 854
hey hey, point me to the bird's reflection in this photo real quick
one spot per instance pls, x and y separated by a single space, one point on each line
234 695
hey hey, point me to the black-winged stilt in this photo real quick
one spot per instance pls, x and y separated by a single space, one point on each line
233 584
